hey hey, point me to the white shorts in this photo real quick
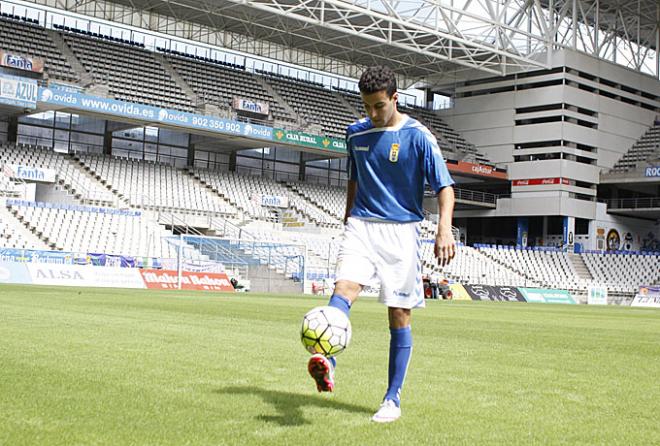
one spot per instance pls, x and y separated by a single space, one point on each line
388 254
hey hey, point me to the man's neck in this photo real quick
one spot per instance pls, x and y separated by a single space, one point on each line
396 119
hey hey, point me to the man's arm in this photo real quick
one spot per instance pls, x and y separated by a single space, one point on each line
350 197
445 245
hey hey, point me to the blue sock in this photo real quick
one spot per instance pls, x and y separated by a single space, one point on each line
400 352
341 303
344 305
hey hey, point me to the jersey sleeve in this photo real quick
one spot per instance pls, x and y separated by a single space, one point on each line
435 168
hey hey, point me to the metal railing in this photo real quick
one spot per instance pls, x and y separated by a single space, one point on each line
476 196
633 203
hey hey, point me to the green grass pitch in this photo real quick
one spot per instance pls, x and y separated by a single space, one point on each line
124 367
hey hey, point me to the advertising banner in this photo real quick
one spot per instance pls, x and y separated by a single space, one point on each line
479 292
597 295
646 301
494 293
82 275
74 207
540 181
653 171
18 91
35 256
309 140
80 101
246 105
25 63
274 201
458 292
11 272
200 281
508 293
542 295
28 173
474 169
648 296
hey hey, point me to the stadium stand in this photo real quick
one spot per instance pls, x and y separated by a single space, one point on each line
624 272
229 195
96 230
331 199
646 148
244 191
218 83
25 37
471 266
131 73
548 267
13 235
74 179
151 185
314 103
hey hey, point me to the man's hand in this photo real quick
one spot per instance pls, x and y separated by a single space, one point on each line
445 247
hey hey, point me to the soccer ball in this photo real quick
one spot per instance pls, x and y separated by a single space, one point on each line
325 330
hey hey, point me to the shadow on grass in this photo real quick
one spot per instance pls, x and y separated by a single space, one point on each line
289 405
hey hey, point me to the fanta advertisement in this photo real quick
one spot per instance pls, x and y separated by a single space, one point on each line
276 201
246 105
29 173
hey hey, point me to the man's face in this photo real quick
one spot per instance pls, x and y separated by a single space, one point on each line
380 107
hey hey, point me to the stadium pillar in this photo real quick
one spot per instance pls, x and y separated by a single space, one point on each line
429 98
232 162
545 230
12 130
301 167
569 232
523 232
191 153
107 140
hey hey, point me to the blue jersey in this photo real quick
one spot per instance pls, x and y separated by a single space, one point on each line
391 166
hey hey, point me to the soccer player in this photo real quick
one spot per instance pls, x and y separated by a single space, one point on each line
391 157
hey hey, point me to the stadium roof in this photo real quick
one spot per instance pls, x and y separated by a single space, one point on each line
421 38
634 20
424 40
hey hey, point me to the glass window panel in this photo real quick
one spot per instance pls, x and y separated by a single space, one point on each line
134 133
32 131
151 134
173 138
44 118
87 124
62 120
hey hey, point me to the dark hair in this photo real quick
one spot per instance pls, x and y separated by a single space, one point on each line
377 78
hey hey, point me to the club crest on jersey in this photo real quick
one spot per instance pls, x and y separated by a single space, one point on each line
394 153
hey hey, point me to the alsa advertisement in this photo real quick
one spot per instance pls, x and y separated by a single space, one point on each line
110 277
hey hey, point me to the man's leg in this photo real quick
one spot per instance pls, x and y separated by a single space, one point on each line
320 367
400 353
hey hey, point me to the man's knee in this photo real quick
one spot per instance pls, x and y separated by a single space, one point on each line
399 317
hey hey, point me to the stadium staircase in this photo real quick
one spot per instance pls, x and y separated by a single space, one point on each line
647 148
183 85
505 265
21 235
279 99
296 189
85 79
580 267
